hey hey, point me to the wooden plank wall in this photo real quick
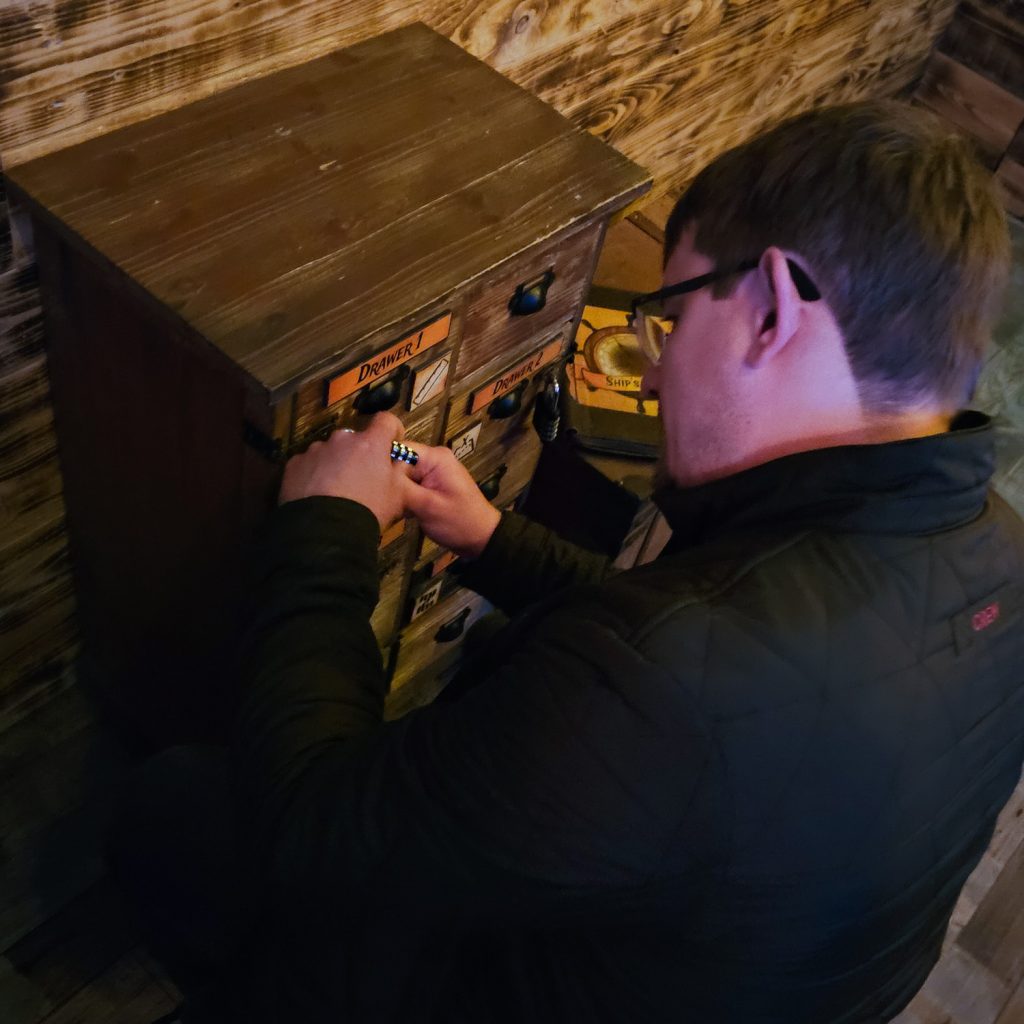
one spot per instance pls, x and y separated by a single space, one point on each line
975 79
669 82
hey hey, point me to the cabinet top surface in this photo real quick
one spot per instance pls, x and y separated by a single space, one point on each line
287 218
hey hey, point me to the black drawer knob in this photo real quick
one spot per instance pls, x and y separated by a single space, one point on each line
382 396
453 628
531 296
509 404
492 484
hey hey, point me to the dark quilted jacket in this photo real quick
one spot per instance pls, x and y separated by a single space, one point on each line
744 783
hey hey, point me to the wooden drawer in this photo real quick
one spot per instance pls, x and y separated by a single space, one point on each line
507 465
430 585
491 334
500 406
435 637
420 428
407 376
393 565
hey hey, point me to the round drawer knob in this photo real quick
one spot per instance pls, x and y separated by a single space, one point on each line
382 396
492 484
453 628
531 296
509 404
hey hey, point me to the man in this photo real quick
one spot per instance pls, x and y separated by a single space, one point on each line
745 782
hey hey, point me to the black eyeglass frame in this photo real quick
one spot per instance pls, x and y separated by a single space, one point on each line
805 287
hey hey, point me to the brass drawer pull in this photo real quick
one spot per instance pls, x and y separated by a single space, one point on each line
531 296
453 628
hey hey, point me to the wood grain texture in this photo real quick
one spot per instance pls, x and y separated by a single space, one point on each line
1010 175
630 259
62 772
132 991
653 77
988 113
696 79
492 337
988 37
36 602
1015 151
74 70
66 952
1013 1011
994 936
371 218
151 431
961 992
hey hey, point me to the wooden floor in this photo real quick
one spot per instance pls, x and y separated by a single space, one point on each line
980 978
83 965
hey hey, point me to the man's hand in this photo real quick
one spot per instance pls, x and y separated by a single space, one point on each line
448 503
352 465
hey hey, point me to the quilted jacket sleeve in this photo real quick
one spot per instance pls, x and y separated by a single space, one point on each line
572 767
524 561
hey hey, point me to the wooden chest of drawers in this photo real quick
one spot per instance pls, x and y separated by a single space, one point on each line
394 225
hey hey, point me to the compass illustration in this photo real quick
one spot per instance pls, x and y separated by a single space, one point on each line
613 352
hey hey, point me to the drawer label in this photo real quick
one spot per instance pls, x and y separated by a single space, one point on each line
508 380
382 363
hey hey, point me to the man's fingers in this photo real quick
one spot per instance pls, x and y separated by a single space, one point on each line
430 461
387 426
418 501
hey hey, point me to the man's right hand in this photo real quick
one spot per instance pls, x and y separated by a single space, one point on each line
449 505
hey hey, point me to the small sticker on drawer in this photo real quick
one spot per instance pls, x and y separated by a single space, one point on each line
429 382
426 600
465 444
508 380
380 364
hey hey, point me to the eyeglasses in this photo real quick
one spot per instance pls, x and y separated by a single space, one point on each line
648 310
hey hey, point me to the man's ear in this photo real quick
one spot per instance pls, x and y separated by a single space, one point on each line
777 308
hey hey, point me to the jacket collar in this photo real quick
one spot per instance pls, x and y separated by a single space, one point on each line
922 485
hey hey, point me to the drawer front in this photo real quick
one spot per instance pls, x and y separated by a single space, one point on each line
410 377
393 561
492 334
435 637
506 467
420 428
501 406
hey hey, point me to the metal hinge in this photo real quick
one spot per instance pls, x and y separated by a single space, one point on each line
269 447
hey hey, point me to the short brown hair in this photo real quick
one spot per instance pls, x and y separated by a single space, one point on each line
897 223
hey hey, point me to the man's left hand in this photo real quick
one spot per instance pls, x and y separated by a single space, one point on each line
357 466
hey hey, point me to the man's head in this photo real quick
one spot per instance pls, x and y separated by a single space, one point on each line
901 231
